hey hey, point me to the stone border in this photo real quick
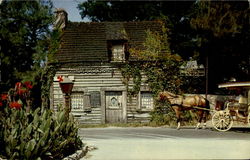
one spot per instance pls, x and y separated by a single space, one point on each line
79 154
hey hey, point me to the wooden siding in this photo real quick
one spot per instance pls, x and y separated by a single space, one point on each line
98 83
98 79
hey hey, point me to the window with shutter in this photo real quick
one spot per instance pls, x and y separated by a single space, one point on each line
147 100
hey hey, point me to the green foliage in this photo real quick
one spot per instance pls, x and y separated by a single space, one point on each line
23 29
222 32
163 115
132 71
138 10
114 10
218 18
219 29
37 135
48 72
161 69
160 66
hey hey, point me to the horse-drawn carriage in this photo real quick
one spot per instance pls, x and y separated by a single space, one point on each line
222 117
237 110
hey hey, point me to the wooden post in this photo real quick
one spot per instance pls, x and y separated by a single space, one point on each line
206 71
67 104
66 86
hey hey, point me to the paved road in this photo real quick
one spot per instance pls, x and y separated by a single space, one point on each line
165 143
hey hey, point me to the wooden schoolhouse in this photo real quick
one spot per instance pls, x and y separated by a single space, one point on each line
90 55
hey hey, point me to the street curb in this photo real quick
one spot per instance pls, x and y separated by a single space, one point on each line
78 154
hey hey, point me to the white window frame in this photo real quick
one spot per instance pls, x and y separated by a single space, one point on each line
118 53
79 97
141 96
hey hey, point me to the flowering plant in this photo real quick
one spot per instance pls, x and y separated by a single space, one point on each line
60 78
3 99
15 105
22 89
18 96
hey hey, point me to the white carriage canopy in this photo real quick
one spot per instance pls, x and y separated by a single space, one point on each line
245 86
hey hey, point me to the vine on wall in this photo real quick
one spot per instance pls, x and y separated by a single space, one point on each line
129 71
156 61
162 71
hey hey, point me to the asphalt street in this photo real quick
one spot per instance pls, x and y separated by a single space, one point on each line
165 143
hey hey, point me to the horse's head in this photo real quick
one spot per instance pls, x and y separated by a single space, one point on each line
165 95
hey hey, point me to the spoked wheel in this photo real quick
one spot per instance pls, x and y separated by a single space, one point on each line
222 121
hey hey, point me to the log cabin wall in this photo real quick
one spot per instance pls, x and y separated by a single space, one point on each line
91 85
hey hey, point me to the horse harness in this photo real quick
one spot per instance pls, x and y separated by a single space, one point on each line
182 99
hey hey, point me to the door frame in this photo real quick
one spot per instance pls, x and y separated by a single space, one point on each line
124 102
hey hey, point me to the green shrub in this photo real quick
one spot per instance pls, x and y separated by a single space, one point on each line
37 135
163 114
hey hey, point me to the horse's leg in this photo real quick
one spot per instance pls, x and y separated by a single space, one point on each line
204 116
206 113
200 115
178 116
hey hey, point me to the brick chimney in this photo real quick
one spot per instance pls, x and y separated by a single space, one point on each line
61 18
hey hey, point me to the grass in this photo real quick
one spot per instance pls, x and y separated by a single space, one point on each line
150 124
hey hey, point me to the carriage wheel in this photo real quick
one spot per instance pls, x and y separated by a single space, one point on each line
222 121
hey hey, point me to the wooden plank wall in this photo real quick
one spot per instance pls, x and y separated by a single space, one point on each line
87 79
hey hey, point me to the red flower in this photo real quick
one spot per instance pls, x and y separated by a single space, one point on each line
21 92
18 85
15 105
1 104
4 97
28 84
60 79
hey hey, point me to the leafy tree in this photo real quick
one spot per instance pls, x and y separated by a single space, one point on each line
160 65
172 12
219 29
222 34
24 26
132 10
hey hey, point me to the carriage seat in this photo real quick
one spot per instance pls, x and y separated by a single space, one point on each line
243 100
240 105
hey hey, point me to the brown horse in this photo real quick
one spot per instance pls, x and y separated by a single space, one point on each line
180 103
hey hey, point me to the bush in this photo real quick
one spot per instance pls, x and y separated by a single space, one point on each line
163 114
37 135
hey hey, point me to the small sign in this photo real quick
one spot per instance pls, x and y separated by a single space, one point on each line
193 69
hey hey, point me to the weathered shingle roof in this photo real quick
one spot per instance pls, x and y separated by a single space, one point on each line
86 42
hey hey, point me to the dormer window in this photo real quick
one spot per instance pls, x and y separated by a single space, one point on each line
117 51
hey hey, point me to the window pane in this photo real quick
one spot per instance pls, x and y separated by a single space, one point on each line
113 99
77 101
147 100
118 53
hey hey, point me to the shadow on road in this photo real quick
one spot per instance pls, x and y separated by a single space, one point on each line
240 129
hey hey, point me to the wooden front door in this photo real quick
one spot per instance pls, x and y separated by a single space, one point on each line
114 106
